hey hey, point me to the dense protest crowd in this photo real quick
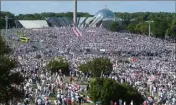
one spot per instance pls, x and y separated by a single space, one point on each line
151 67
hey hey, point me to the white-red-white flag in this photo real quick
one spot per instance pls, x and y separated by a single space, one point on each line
77 31
75 86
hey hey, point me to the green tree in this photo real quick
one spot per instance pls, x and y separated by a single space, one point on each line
9 81
105 90
84 68
114 26
4 49
101 65
136 22
138 27
131 27
131 93
172 30
58 64
143 28
11 20
159 27
97 66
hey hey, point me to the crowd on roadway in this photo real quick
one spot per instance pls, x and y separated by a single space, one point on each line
150 67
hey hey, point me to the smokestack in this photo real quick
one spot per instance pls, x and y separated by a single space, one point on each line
75 13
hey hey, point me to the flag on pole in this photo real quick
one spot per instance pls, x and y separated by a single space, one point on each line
76 31
75 86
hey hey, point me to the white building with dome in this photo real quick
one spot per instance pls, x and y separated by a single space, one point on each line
101 19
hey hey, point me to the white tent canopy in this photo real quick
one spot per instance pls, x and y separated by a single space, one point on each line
34 23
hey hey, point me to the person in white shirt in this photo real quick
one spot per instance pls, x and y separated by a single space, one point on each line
72 100
173 101
39 101
124 103
62 96
58 96
131 103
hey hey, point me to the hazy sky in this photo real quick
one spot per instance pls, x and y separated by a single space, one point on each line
24 7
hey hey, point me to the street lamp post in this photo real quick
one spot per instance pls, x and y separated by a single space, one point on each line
149 25
7 25
6 20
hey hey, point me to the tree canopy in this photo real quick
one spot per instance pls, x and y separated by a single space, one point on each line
57 64
106 90
135 22
11 19
97 67
4 49
159 27
114 26
172 30
9 80
139 28
42 16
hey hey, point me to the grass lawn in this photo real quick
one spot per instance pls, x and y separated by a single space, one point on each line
92 79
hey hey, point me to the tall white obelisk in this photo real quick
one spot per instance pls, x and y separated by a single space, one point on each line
75 13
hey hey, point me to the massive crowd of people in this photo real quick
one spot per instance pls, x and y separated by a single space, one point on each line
151 65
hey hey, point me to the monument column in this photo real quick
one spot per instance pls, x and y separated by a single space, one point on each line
75 13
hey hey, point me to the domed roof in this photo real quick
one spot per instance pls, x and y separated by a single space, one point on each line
105 13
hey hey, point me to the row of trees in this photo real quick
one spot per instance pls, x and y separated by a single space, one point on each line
41 16
162 26
159 28
96 67
143 16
